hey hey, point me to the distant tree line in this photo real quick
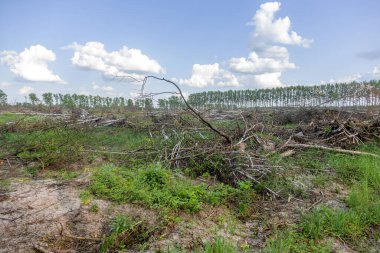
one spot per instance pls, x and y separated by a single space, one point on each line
332 95
328 95
75 101
71 101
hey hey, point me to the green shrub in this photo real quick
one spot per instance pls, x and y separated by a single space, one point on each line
155 187
155 176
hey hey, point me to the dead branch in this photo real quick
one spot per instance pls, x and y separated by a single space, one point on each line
83 238
142 150
339 150
113 122
197 114
314 204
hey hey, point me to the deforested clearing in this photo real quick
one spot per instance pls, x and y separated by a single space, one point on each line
131 179
189 126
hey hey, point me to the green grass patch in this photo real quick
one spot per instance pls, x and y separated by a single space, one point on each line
156 187
352 169
24 120
217 245
118 139
322 180
85 197
125 233
324 221
94 208
362 173
9 117
291 241
58 146
62 174
5 185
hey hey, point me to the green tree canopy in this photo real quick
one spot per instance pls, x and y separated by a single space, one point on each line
3 98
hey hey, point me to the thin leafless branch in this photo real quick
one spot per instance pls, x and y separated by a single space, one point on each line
193 110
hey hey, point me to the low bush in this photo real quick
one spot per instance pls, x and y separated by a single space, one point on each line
157 187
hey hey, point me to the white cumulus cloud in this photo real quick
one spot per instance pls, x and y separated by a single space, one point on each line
25 90
269 57
126 61
274 59
210 75
267 80
269 29
31 64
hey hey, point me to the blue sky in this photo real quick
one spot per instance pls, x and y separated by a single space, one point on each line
77 46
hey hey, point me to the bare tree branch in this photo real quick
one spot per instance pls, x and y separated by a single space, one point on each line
193 110
339 150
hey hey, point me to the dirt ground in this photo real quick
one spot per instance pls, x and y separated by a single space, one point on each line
41 214
35 210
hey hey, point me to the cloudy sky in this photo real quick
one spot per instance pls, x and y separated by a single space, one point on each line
80 46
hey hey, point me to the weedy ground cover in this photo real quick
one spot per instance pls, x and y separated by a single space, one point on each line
9 117
154 186
351 224
138 166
